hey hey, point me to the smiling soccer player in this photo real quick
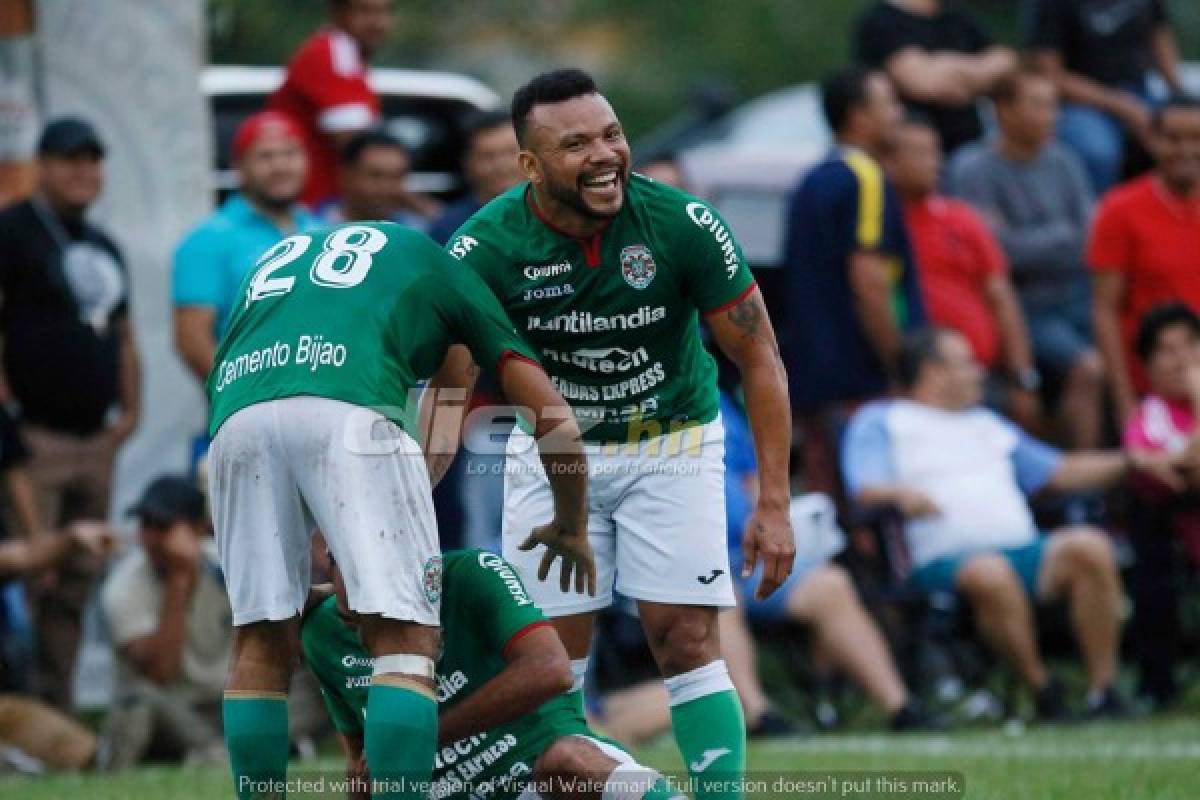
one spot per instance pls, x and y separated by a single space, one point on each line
607 273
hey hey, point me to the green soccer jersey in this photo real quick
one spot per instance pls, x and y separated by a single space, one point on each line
615 318
358 313
484 609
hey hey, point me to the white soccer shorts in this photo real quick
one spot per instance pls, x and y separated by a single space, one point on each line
279 468
656 521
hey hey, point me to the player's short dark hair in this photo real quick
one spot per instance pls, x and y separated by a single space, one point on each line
917 349
1179 101
483 121
842 92
1159 319
352 152
556 86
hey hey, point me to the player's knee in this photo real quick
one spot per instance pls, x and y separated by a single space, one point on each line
270 649
688 642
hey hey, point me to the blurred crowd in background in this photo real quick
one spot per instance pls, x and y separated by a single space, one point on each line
987 308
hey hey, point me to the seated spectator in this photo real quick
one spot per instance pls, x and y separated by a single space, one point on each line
819 594
851 285
941 60
43 736
489 166
1165 524
1034 194
959 474
963 271
210 262
374 167
1143 246
170 621
1101 53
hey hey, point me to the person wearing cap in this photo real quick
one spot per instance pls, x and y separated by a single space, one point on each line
169 618
213 258
325 89
70 367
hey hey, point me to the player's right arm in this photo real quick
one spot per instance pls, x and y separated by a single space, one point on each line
476 319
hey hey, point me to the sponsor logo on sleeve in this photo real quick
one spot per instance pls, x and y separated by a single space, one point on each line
703 216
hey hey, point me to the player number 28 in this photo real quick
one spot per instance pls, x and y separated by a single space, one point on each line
345 259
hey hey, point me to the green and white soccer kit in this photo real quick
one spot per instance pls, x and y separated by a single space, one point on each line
485 608
615 321
312 401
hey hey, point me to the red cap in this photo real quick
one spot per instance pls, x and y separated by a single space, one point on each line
264 123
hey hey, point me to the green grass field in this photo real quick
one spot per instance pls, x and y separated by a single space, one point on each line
1147 760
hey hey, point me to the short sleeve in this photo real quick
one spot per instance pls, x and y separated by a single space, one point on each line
196 270
129 613
867 450
499 604
1034 462
716 273
13 452
332 76
1111 244
1044 24
475 318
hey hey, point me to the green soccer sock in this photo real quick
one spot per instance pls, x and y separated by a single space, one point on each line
401 737
710 731
256 733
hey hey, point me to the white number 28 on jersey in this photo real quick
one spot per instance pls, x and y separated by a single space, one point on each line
345 259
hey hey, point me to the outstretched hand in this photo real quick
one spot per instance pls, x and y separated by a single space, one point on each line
571 545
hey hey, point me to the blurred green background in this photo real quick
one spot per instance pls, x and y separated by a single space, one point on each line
649 56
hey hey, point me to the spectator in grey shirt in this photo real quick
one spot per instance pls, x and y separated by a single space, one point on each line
1035 194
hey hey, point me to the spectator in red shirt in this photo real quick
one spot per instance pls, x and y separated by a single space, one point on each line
963 272
1145 246
326 89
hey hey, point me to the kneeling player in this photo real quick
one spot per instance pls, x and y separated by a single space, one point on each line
505 730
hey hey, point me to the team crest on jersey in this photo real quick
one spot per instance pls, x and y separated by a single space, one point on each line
433 579
637 266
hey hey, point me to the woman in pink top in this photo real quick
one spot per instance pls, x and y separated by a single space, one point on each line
1165 522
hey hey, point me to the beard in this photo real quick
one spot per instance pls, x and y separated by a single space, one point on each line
572 196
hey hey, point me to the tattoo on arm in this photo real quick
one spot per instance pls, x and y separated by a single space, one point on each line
747 316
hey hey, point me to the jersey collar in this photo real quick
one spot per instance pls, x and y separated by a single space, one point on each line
589 244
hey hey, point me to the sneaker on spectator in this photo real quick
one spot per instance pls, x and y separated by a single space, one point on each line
914 717
772 724
1108 704
1051 703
